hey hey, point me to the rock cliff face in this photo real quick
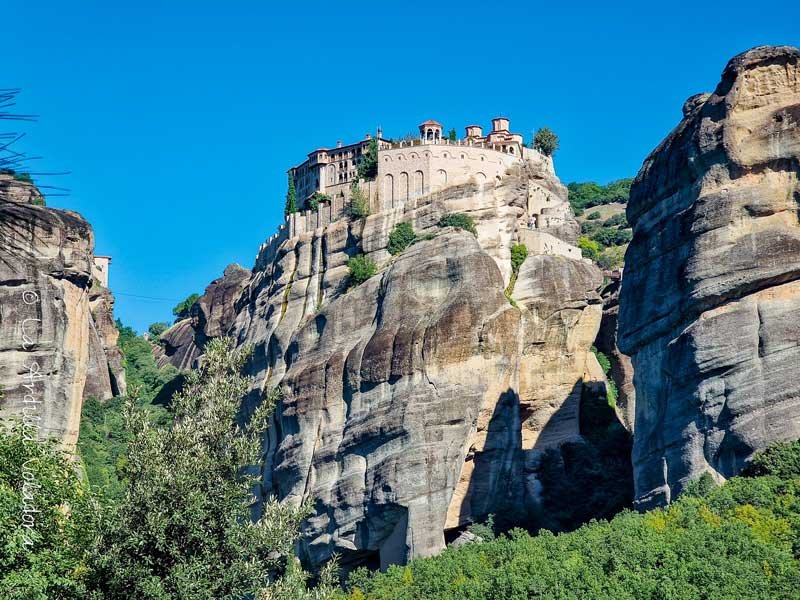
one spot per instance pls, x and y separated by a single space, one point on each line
57 333
712 279
421 400
211 316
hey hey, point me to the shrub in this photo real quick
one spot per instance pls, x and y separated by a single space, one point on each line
545 141
593 216
611 236
359 203
459 221
618 220
316 200
519 252
401 237
611 258
38 201
590 226
588 194
181 310
590 248
362 267
452 135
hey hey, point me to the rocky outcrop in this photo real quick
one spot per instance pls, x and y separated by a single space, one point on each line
211 316
57 334
712 279
421 400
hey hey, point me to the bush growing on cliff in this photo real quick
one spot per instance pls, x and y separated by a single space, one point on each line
545 141
459 221
359 203
519 252
401 237
739 540
362 267
291 197
316 200
181 310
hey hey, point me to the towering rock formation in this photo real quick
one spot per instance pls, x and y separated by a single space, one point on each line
712 279
211 316
421 400
57 334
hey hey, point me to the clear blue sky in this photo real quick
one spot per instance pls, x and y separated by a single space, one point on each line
179 119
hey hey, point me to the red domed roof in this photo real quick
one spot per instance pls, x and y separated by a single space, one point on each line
429 122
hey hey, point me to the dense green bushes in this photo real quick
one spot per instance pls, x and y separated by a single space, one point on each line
400 238
588 194
359 203
368 167
459 221
740 540
362 267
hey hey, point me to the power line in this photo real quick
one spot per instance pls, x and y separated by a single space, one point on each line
146 297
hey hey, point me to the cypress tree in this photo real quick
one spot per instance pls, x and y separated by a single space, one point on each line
291 197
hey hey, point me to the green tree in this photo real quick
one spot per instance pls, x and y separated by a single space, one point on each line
368 167
593 216
359 203
459 221
156 329
545 141
611 258
519 252
401 237
588 194
591 249
362 267
316 200
181 310
291 197
452 135
183 530
48 519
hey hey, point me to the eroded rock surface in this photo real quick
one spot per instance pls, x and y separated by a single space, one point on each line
421 400
211 316
712 280
57 334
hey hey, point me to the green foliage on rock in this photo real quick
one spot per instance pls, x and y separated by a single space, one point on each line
459 221
359 203
181 310
368 167
593 216
291 196
545 141
48 519
740 540
618 220
400 238
362 267
25 177
611 236
316 200
156 329
39 201
519 252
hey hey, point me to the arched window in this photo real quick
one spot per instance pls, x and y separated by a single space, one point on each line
402 186
388 189
419 183
441 176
